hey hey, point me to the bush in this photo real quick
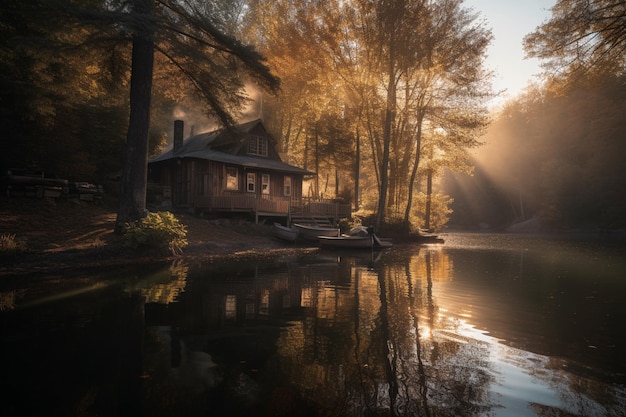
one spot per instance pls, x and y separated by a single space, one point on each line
157 230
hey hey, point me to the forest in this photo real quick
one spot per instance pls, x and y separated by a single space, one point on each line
387 100
553 156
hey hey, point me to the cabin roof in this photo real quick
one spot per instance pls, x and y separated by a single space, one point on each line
222 145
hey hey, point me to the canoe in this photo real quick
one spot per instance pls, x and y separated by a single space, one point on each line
287 234
312 232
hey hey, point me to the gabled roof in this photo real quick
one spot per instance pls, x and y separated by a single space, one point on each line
222 145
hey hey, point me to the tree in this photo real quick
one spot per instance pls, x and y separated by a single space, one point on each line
425 72
446 90
65 67
381 70
134 177
58 93
209 59
581 35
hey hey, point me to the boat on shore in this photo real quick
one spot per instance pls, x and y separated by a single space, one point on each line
312 232
288 234
358 238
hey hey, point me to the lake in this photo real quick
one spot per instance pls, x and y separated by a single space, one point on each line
483 325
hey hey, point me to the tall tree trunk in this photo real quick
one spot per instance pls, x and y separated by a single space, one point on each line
390 112
134 177
418 147
429 197
317 162
357 170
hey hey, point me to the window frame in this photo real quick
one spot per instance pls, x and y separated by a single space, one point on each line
265 184
251 182
287 185
257 145
230 185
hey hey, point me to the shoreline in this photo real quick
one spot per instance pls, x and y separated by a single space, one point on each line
70 236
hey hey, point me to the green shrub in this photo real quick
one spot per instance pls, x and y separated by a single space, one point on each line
157 230
9 246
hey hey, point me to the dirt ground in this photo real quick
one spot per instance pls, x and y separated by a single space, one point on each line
61 234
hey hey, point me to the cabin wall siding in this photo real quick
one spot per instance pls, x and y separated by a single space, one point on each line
201 184
193 182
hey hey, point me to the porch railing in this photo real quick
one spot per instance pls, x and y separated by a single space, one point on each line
277 205
324 208
244 202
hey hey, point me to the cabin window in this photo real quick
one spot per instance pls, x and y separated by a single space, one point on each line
230 307
232 179
257 145
265 184
287 186
251 182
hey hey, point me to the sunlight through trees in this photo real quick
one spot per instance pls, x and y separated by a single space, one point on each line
379 98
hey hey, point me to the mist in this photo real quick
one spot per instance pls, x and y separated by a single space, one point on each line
197 120
553 160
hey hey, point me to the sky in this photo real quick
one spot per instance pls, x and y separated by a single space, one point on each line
510 21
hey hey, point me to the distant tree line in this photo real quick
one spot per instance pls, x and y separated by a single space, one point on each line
557 153
559 157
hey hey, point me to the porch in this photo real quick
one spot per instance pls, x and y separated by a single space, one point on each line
274 206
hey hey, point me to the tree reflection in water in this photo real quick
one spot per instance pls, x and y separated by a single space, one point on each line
374 342
428 331
384 367
393 333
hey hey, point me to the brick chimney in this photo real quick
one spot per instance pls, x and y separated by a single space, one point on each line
179 127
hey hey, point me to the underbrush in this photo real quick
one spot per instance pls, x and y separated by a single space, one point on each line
157 230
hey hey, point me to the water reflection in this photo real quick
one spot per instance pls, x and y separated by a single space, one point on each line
471 329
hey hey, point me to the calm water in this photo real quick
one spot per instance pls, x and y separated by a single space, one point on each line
484 325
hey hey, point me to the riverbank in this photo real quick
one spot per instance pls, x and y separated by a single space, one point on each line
64 235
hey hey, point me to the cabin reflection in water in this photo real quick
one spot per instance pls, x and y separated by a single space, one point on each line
485 325
357 336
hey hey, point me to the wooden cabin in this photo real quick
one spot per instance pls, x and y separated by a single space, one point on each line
234 170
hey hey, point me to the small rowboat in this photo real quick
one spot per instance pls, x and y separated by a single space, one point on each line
312 232
358 238
351 242
287 234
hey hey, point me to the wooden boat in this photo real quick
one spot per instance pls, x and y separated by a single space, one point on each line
312 232
285 233
358 238
354 242
345 241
